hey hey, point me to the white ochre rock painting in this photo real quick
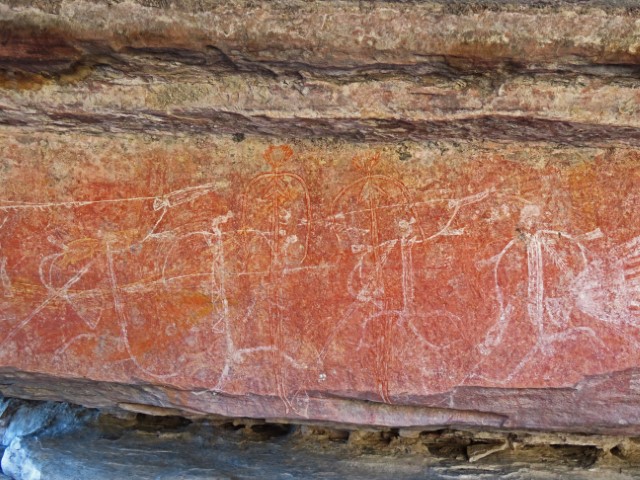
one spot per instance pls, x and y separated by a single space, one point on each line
286 275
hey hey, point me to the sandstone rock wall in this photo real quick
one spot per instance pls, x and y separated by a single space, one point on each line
383 213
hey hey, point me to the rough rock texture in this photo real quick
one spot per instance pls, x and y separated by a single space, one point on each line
381 213
78 444
358 70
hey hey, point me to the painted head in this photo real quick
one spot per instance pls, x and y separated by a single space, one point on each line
366 161
277 155
530 216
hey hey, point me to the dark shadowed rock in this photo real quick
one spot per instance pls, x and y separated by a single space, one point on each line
143 447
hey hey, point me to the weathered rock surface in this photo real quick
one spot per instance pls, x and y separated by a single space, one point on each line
383 213
362 71
99 446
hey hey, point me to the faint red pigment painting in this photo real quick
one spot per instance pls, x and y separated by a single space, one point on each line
376 279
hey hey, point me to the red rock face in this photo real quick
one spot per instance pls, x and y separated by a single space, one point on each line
298 271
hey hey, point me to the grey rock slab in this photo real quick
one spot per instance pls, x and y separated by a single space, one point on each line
27 418
228 455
